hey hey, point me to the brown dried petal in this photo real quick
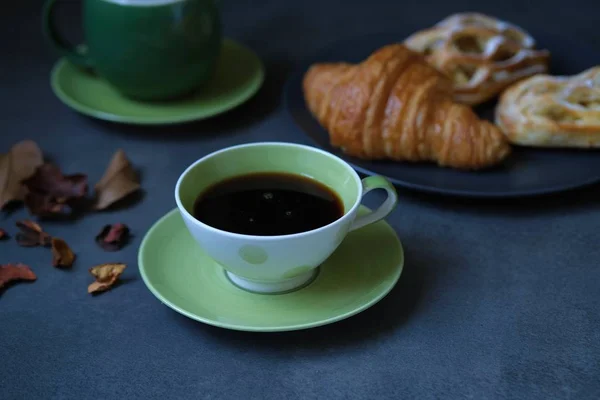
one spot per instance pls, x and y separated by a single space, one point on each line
15 272
106 275
52 193
62 255
18 164
3 234
113 237
119 181
44 205
32 234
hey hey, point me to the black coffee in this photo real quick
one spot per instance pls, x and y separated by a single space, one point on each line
268 204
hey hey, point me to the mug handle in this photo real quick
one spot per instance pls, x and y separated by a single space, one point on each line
77 55
372 183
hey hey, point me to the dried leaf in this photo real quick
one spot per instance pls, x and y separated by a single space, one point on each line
52 193
62 255
119 181
15 272
32 234
3 234
106 275
113 237
15 166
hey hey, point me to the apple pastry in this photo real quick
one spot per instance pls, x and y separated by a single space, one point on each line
481 54
552 111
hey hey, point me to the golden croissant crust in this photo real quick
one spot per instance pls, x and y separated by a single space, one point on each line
481 54
394 105
553 111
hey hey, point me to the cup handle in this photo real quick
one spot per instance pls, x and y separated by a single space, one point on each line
75 54
372 183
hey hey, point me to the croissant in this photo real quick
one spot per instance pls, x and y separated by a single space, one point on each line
394 105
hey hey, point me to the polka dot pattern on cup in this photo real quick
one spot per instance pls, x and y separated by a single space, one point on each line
254 255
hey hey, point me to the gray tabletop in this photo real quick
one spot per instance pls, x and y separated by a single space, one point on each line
497 300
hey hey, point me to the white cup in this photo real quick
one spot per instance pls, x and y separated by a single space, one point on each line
273 264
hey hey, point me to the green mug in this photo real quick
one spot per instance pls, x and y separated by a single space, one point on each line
146 49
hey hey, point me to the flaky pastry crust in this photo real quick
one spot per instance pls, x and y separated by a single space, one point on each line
552 111
395 106
481 54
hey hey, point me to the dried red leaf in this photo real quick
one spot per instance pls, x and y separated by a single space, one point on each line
119 181
106 276
15 166
15 272
113 237
62 255
3 234
52 193
32 234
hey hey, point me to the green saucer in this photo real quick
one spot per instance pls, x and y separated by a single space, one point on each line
239 75
362 271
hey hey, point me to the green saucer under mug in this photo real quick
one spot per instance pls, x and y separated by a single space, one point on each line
239 74
360 272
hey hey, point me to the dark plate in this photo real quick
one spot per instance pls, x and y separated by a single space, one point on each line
527 172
